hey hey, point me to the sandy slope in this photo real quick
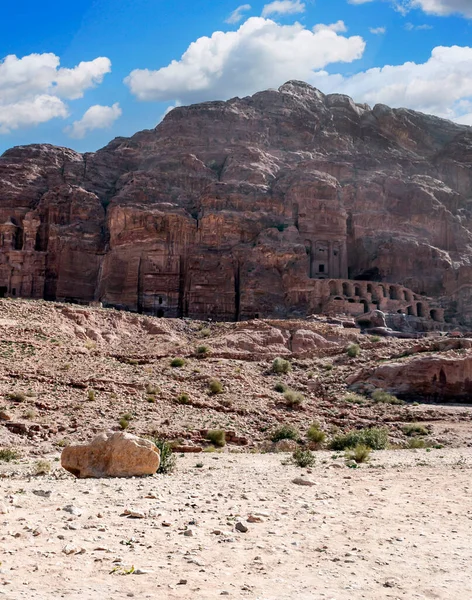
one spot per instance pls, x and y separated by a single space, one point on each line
398 528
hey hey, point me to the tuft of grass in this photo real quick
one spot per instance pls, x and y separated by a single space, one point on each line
62 443
205 332
183 398
285 432
16 396
91 395
355 399
328 367
9 454
217 437
42 467
414 429
177 362
303 458
215 386
382 397
293 399
375 338
168 459
280 365
202 350
360 453
315 435
30 414
152 389
125 420
353 350
90 344
416 443
375 437
280 387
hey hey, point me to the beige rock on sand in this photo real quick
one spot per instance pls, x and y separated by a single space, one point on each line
112 454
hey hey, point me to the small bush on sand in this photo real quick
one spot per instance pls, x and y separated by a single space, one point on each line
416 443
303 458
285 432
217 437
359 454
280 387
414 429
42 467
202 350
280 365
355 399
205 332
91 395
152 389
375 437
183 399
177 362
315 435
215 387
353 350
168 458
9 454
16 396
383 397
293 399
125 420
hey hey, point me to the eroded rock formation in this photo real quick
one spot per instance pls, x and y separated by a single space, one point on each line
282 204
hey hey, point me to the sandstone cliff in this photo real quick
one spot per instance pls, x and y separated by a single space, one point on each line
285 203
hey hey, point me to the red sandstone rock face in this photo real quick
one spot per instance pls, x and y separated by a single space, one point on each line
248 208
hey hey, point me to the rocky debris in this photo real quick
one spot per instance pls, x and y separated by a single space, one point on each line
111 454
433 378
303 481
241 527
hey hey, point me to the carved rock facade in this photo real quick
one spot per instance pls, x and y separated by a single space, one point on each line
282 204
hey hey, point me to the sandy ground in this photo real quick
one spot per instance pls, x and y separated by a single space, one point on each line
399 527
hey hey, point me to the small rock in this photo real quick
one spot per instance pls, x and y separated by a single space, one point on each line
254 519
188 533
73 510
133 514
302 481
241 526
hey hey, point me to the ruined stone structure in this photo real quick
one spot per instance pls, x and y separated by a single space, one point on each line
286 203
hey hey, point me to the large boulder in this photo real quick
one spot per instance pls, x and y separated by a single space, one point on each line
112 454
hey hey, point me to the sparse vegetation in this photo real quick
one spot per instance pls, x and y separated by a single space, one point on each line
359 454
353 350
202 350
285 432
315 435
355 399
152 390
383 397
375 437
90 344
125 420
9 454
205 332
42 467
280 365
177 362
16 396
416 443
280 387
303 458
183 398
414 429
91 395
217 437
215 387
293 399
375 338
30 414
168 459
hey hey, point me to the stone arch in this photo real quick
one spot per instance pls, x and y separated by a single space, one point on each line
347 289
392 292
434 314
381 291
366 305
357 290
333 288
420 312
411 311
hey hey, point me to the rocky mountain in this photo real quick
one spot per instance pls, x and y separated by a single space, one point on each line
285 203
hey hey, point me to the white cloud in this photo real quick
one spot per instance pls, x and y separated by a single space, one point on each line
283 7
259 55
439 86
237 15
411 27
338 27
32 88
378 30
96 117
432 7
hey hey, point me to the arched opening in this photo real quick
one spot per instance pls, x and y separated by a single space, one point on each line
160 300
366 305
357 291
434 314
405 296
393 293
332 288
411 312
420 309
338 298
381 291
346 289
351 300
3 291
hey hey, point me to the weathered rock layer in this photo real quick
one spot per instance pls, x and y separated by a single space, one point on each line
285 203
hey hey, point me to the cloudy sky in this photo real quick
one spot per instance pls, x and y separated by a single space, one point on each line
80 73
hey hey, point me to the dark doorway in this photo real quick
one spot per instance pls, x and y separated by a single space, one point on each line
3 291
160 313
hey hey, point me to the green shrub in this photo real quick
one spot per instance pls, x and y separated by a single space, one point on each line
202 350
205 332
167 457
217 437
303 458
16 396
280 365
177 362
375 338
285 432
315 435
293 399
415 443
359 454
152 389
8 454
413 429
383 397
375 437
215 387
353 350
355 399
328 367
280 387
125 420
183 399
42 467
91 395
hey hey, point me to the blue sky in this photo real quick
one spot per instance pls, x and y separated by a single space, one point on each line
78 74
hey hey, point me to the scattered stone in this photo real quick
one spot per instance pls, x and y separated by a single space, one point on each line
302 481
72 510
241 526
